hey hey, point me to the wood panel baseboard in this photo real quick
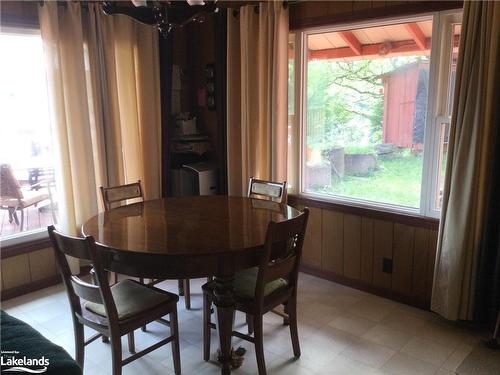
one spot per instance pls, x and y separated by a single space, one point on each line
37 285
360 285
24 248
30 287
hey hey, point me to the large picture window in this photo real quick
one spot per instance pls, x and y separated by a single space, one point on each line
28 199
373 130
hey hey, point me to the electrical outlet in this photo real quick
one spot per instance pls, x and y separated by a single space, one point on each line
387 265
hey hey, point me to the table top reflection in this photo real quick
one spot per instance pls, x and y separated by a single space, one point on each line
187 225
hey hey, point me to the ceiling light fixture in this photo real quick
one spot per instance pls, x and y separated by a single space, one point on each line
165 15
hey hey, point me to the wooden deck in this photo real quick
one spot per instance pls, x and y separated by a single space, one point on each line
34 218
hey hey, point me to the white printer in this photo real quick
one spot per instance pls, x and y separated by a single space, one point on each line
199 179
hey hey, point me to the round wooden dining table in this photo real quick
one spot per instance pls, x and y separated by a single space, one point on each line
189 237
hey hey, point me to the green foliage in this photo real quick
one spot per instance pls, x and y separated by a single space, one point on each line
345 100
376 117
396 181
351 150
291 86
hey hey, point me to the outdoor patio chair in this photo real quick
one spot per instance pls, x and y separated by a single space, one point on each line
14 199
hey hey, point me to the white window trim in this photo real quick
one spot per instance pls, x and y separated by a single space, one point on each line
23 237
430 162
15 30
296 155
436 107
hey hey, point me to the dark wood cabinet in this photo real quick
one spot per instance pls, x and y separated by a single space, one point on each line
190 52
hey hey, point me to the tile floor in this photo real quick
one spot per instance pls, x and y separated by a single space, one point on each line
342 331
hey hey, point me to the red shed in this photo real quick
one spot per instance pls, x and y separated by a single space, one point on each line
405 98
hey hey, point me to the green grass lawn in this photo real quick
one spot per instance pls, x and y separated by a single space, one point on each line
396 181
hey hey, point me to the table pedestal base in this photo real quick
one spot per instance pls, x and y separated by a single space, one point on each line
224 302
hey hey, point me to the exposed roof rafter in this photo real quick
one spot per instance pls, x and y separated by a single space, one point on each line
417 34
371 50
351 41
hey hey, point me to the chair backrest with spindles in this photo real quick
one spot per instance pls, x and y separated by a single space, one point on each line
117 194
275 191
282 253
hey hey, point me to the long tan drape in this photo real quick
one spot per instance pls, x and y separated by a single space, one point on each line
257 71
129 75
102 75
469 157
65 66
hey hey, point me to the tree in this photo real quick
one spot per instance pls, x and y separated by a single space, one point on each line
348 95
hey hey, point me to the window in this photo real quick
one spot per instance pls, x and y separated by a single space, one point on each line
376 101
451 33
28 196
292 115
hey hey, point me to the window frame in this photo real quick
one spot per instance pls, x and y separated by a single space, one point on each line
439 77
430 161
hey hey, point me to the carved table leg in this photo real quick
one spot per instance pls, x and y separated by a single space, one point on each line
224 301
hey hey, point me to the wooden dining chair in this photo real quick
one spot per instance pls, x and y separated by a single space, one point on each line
275 191
260 289
114 196
112 311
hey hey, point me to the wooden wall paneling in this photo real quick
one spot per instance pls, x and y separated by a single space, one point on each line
403 218
402 258
15 271
366 250
395 2
431 260
311 253
316 13
42 264
220 35
382 248
360 5
332 256
339 7
180 58
19 13
352 246
166 53
410 244
420 254
313 9
381 3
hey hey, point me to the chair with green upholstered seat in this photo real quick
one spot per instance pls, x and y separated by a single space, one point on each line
267 191
112 311
260 289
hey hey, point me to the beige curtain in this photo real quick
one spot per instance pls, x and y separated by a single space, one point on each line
257 74
61 29
102 74
127 66
468 161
